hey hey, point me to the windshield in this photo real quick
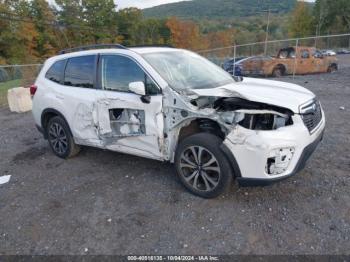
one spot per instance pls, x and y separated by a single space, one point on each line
187 70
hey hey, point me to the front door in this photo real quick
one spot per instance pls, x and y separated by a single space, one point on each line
125 122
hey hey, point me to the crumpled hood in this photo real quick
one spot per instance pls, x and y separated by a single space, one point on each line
276 93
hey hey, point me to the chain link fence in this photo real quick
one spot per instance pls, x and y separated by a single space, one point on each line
298 56
16 76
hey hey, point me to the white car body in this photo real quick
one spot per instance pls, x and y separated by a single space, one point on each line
329 53
87 114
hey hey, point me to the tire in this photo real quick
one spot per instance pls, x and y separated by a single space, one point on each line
60 138
332 68
277 72
203 178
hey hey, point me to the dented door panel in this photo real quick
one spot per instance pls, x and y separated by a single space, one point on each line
125 123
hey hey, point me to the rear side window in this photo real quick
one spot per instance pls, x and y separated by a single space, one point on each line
80 72
55 73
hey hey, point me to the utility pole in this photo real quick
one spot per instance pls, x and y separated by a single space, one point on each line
269 11
318 28
316 35
267 30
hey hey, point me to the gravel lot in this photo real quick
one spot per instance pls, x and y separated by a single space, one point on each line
103 202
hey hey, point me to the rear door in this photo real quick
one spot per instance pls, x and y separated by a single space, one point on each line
74 95
125 123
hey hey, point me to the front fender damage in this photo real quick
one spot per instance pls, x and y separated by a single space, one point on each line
238 118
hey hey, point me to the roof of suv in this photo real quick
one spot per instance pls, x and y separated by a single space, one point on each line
144 50
138 50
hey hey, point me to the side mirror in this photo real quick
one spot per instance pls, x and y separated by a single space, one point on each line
140 89
137 88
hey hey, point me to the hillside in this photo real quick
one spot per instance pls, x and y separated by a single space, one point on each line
218 9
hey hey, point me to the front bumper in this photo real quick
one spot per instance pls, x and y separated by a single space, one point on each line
307 152
251 150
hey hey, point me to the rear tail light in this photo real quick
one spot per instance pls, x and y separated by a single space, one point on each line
33 89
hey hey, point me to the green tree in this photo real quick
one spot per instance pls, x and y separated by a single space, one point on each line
45 23
332 15
18 37
71 21
301 22
128 21
100 17
152 31
5 33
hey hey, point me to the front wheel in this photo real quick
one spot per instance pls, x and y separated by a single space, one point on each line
332 68
202 166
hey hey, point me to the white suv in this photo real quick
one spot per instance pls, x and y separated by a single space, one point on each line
174 105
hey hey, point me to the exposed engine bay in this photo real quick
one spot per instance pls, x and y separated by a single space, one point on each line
253 115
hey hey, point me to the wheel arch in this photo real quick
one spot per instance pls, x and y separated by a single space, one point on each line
49 113
200 125
280 66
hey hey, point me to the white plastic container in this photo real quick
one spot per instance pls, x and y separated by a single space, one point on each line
19 99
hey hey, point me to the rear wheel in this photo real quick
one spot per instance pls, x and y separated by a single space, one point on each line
60 139
201 165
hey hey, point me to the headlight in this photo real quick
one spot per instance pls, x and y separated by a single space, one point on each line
265 121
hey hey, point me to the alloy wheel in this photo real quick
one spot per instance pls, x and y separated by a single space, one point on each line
200 168
58 138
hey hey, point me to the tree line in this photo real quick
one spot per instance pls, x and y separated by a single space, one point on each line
31 31
322 18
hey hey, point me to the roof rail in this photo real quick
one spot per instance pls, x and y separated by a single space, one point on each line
91 47
156 45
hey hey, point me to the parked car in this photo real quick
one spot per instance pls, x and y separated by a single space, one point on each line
174 105
328 53
305 60
343 52
234 66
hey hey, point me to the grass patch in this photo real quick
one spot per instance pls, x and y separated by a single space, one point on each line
4 86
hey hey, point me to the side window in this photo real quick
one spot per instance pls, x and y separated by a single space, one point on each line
118 71
317 54
55 72
80 72
305 54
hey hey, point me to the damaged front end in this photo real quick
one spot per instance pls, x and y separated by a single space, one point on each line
232 118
